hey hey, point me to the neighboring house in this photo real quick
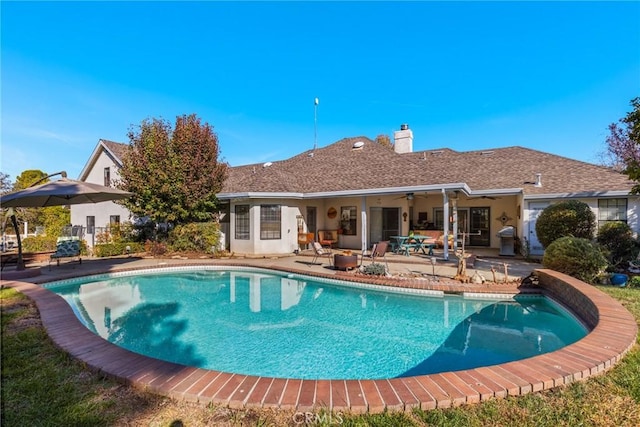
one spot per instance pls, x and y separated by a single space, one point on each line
370 192
102 168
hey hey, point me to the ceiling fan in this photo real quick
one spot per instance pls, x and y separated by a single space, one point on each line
412 196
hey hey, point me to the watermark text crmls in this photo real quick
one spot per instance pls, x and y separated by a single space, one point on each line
314 418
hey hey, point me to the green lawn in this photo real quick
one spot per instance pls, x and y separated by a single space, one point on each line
41 385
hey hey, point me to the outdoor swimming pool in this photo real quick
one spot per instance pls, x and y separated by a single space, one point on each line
263 323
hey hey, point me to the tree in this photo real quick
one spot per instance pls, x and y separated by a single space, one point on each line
570 218
53 218
623 145
5 183
175 173
27 178
385 141
28 215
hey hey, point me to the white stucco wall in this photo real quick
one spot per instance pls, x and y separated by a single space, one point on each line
288 241
102 211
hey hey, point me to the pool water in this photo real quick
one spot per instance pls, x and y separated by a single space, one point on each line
257 322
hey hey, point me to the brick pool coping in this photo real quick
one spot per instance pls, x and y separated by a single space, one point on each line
613 333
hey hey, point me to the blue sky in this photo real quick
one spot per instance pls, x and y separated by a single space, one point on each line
464 75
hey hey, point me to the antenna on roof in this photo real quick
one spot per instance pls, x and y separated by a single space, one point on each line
315 123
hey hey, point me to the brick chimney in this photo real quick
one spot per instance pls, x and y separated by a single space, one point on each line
403 140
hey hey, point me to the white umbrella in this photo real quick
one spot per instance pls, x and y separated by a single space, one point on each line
57 193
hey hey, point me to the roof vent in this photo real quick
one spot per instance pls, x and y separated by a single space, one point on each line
538 180
436 153
486 153
358 144
266 165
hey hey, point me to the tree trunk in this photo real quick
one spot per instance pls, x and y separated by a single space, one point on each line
20 262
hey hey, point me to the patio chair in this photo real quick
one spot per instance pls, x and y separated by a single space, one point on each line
319 251
634 266
328 238
379 250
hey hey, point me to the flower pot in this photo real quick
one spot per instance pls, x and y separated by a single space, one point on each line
619 279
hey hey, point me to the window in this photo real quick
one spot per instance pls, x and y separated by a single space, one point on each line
107 177
438 219
242 222
91 223
612 210
270 219
349 220
114 219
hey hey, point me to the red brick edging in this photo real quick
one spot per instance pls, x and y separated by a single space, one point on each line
613 334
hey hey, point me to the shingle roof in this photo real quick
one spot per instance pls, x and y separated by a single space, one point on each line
336 167
341 167
516 167
117 148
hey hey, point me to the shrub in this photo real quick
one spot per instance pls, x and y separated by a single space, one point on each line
47 243
576 257
115 249
634 282
570 218
117 233
374 269
617 238
39 244
155 248
196 237
143 231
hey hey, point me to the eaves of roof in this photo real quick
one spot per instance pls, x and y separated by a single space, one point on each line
114 150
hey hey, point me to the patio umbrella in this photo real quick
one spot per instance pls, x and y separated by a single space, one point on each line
57 193
61 193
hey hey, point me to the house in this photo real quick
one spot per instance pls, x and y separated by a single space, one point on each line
365 192
102 168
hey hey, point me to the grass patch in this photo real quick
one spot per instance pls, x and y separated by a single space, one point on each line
41 385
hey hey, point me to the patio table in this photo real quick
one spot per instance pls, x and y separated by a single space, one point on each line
423 242
402 244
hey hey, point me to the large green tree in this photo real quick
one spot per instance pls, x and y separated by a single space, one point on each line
29 177
53 218
174 173
623 144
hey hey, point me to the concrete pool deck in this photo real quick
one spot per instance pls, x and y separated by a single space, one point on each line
613 333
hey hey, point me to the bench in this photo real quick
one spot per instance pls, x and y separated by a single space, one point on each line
405 248
66 248
12 258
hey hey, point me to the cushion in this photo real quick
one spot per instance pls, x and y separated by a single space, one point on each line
67 248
